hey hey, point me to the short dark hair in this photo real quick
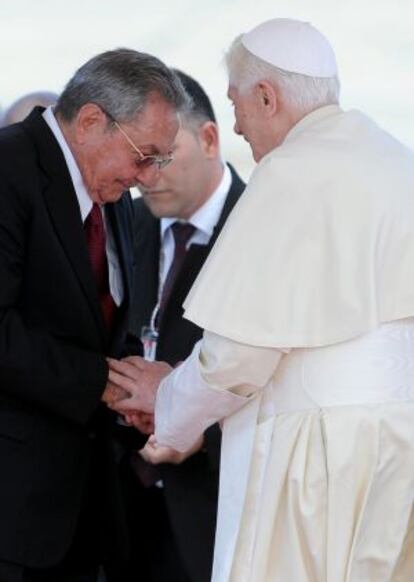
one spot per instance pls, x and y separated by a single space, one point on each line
120 82
200 107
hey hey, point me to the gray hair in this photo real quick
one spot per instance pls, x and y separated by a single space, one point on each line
300 91
120 82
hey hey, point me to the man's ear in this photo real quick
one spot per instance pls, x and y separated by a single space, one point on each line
89 119
267 98
209 138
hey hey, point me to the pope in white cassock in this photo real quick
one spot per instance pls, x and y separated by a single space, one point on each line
307 302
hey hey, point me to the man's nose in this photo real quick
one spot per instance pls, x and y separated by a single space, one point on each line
148 176
236 128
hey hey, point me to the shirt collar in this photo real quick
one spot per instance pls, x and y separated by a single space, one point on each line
84 200
207 216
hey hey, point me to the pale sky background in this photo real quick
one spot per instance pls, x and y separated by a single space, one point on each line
44 41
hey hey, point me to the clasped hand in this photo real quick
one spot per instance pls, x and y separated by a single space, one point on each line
155 454
131 389
132 386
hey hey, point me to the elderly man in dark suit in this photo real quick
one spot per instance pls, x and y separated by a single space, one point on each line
65 259
177 221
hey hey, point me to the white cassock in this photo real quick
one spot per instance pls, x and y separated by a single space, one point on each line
308 305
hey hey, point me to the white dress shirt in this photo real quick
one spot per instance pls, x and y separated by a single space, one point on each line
204 220
85 206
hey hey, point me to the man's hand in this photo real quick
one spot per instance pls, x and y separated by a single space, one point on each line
142 421
113 393
155 454
140 379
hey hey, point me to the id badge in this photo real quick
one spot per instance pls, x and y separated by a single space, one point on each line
149 339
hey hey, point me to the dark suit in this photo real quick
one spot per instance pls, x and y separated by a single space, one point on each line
55 451
190 489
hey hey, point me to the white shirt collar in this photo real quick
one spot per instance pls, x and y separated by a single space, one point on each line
85 202
207 216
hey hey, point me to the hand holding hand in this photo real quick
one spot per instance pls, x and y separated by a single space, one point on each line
142 421
112 394
138 378
155 454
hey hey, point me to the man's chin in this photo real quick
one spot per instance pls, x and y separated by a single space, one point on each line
159 210
257 156
105 196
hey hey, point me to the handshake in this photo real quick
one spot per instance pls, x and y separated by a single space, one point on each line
130 391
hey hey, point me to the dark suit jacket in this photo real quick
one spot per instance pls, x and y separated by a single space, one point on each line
190 488
54 433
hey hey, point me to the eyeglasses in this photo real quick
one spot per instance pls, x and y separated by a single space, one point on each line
144 161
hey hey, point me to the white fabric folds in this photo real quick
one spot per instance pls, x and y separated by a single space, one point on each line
305 489
185 395
320 248
329 499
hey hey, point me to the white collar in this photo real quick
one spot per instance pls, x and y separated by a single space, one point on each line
84 200
207 216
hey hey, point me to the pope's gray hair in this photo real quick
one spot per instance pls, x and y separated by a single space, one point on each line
300 91
120 82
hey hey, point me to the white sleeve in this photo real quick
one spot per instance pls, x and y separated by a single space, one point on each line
216 380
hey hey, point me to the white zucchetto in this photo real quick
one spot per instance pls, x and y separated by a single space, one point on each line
292 45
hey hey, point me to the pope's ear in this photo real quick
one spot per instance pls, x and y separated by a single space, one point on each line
267 98
89 119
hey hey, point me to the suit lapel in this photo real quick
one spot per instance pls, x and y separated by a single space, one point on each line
146 272
119 218
120 228
236 189
63 208
197 254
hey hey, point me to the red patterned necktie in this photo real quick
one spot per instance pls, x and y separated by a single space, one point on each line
96 239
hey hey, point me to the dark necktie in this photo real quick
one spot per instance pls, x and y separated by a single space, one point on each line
149 474
182 233
96 239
